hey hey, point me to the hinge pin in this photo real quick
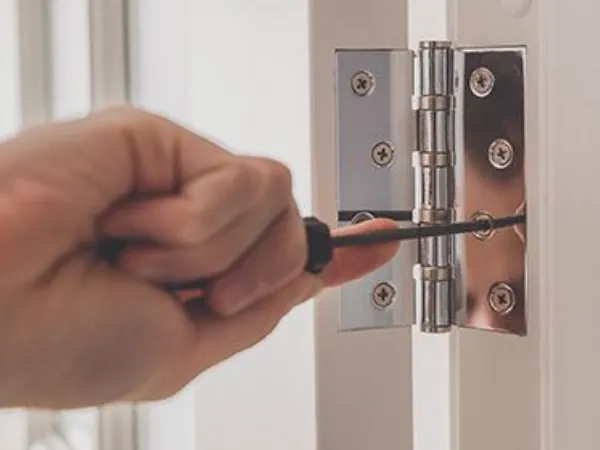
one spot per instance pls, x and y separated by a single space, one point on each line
434 185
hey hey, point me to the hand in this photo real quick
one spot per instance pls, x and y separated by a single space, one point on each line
77 331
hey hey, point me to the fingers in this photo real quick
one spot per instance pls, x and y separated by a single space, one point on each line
205 205
207 237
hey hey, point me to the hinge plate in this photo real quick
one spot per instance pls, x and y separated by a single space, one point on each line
374 89
371 117
490 132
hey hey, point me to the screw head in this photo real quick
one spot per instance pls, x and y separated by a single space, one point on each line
482 82
362 216
486 217
501 298
501 154
382 154
383 295
363 83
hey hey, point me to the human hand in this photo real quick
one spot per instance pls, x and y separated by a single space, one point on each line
77 331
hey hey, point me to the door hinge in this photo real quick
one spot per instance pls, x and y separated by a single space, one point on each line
431 137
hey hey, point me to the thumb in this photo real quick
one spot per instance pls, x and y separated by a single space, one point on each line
351 263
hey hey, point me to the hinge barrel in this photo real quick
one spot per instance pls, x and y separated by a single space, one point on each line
434 185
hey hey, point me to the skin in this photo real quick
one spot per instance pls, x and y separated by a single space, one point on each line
77 331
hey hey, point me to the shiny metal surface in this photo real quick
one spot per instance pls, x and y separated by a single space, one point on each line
490 143
434 186
364 121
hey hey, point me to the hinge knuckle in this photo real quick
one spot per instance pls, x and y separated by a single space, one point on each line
433 164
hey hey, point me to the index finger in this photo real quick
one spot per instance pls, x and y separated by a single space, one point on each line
351 263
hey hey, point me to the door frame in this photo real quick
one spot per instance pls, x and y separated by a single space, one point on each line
536 392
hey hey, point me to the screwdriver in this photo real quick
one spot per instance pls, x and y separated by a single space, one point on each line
321 245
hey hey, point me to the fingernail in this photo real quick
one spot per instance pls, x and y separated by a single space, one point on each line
234 296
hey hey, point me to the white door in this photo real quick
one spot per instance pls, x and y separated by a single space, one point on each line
385 386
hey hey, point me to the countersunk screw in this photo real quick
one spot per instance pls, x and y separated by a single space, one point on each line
501 298
482 216
482 82
382 154
363 83
383 295
501 154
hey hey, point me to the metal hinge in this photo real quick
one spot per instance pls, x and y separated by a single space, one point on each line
435 136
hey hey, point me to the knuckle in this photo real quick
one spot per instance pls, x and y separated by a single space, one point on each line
244 178
278 177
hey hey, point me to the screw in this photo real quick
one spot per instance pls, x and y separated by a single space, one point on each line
483 235
501 298
482 82
363 83
383 295
382 154
362 216
501 154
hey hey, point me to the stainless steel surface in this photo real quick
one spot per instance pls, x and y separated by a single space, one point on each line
434 185
490 143
501 298
501 154
362 121
362 83
383 295
482 81
382 154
